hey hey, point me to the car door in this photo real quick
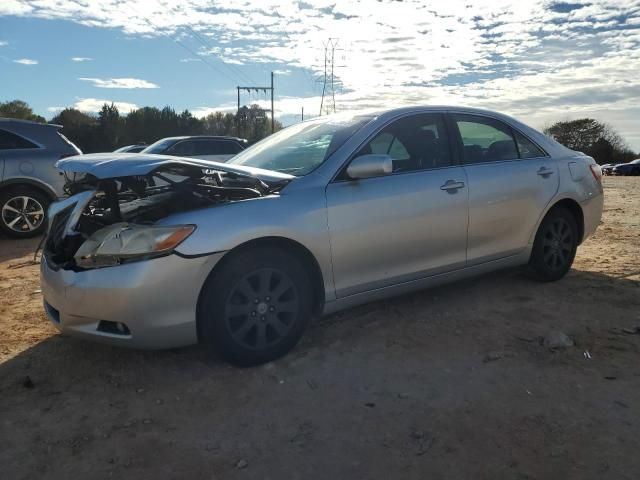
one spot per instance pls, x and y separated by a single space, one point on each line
511 180
403 226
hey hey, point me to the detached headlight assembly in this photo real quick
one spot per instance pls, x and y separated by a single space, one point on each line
121 242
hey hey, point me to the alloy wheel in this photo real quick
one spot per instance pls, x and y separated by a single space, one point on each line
261 308
22 214
557 244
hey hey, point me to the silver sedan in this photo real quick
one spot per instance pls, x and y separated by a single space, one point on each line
157 252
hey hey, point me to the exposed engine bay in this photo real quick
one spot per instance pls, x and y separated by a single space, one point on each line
123 210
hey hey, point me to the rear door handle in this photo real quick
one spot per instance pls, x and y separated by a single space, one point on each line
452 186
544 171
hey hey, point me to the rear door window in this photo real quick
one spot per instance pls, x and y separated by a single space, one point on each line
185 148
216 147
11 141
485 139
207 147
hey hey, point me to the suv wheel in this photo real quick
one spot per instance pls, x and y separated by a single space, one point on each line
555 245
23 212
256 307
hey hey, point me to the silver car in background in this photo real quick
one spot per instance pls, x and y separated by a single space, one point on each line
157 252
29 180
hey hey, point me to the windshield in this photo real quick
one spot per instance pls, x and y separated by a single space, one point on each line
160 146
300 149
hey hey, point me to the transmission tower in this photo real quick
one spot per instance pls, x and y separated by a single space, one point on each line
328 101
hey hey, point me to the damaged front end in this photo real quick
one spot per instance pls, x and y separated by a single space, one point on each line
109 221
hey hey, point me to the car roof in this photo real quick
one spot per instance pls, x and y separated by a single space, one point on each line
390 113
208 137
28 122
437 108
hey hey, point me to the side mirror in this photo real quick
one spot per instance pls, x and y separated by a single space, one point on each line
371 165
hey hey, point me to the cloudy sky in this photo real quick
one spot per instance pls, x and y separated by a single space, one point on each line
540 61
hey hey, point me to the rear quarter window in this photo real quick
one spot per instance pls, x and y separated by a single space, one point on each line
527 148
11 141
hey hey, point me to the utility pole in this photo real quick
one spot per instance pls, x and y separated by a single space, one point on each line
248 89
302 116
238 113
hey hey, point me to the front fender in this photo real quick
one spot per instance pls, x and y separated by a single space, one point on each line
299 216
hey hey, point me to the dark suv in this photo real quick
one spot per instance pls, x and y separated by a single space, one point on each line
29 180
219 149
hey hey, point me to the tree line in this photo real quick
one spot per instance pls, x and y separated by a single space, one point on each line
596 139
108 129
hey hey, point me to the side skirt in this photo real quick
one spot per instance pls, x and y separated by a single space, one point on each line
332 306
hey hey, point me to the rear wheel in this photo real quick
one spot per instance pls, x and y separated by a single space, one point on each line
555 245
23 212
256 306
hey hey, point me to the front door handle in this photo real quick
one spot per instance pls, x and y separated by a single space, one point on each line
452 186
544 171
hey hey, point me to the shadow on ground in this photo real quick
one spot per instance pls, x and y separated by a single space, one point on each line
11 248
449 382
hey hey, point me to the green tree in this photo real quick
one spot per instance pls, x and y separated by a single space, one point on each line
109 130
189 125
254 124
20 110
111 125
594 138
80 128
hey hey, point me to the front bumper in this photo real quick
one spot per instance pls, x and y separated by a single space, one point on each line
155 299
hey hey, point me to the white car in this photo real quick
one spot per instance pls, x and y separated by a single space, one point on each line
219 149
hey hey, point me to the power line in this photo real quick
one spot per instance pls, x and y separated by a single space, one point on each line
249 88
234 70
188 49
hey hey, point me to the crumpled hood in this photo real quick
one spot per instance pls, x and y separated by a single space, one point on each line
114 165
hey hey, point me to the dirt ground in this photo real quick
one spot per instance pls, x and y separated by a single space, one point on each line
450 382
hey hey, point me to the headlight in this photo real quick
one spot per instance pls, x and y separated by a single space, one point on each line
121 241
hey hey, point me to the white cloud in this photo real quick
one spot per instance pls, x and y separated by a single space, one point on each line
26 61
92 105
129 83
3 43
187 60
81 59
201 112
537 59
282 72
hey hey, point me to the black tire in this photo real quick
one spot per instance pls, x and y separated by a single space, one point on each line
555 245
19 222
240 320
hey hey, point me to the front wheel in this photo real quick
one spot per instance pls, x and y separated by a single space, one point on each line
23 212
256 306
555 245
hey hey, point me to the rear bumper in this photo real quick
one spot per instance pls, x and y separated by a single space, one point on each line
155 299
